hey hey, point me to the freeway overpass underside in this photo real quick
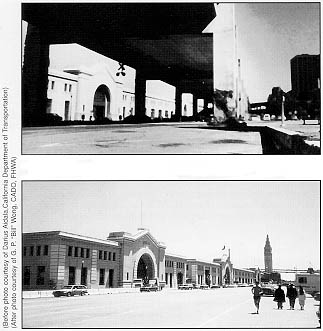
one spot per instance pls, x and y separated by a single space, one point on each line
162 41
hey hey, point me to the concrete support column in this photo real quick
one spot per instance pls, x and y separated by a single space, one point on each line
35 76
178 103
205 108
140 95
194 107
206 103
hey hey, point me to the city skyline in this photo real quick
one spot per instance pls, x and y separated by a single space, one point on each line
194 219
269 37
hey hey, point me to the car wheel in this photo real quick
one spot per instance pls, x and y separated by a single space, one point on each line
82 294
68 294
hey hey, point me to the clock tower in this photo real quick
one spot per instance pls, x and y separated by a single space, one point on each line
268 256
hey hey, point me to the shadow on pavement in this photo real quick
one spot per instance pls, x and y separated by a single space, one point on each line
229 141
171 145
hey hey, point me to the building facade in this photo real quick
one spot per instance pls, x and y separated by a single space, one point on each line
243 276
94 93
57 258
268 256
305 73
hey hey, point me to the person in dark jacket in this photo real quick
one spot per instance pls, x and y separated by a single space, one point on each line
257 292
291 295
279 297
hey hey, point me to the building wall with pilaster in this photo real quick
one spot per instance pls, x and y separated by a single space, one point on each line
60 258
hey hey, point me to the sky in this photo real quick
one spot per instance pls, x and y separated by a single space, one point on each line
194 219
269 36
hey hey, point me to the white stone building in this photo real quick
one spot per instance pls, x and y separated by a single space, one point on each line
88 88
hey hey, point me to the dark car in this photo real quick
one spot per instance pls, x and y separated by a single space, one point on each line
317 296
149 288
268 290
185 287
71 290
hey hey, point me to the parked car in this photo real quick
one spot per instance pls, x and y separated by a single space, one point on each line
71 290
266 117
255 118
149 288
185 287
268 290
215 286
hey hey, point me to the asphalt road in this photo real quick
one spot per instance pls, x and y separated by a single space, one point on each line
156 138
216 308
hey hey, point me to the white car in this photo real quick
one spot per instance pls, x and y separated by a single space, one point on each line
255 118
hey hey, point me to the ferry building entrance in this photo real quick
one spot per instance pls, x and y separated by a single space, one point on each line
142 258
145 270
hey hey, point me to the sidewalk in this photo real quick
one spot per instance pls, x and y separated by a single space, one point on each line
311 131
49 293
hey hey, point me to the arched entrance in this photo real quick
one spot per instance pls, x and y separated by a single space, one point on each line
145 269
180 278
101 103
227 279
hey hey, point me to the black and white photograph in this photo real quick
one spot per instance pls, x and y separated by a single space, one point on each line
171 78
132 191
171 254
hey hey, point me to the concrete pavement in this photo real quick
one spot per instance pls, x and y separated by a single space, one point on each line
216 308
154 138
311 131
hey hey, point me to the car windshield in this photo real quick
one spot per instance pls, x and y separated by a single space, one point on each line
68 286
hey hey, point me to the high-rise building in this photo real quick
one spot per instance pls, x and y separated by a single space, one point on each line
305 74
268 256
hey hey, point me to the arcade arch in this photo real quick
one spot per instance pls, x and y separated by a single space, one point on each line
101 103
180 278
145 266
227 277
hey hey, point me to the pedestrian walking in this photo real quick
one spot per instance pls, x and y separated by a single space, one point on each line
279 297
301 297
257 292
291 295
